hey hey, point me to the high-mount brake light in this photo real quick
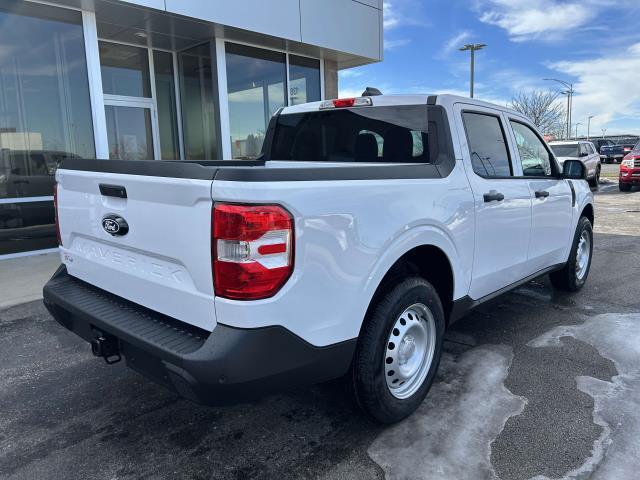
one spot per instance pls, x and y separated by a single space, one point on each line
252 250
55 208
346 103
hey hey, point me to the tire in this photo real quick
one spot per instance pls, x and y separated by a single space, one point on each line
573 275
624 187
593 181
384 386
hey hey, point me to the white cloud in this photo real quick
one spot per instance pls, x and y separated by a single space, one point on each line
607 87
455 42
393 44
350 73
391 18
400 13
541 19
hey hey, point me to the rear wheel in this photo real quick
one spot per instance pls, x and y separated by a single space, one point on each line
399 351
573 275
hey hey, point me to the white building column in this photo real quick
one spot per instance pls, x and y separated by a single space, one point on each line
95 84
223 100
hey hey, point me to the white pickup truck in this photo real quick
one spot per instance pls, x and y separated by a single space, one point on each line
365 228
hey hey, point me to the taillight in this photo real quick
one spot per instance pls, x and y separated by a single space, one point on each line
55 208
252 249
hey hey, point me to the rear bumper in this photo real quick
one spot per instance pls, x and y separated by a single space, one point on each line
219 367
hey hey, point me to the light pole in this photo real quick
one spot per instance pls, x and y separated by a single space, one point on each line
473 47
576 137
604 130
589 125
569 101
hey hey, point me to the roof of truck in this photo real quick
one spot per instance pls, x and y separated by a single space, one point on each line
414 99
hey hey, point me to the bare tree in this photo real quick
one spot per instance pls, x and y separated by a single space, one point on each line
544 109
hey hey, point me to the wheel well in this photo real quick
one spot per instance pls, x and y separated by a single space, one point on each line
428 262
588 212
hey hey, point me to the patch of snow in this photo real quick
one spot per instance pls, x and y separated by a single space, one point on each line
616 454
451 433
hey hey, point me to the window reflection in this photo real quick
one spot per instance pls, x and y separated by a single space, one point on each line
125 70
166 101
256 80
304 78
198 105
45 115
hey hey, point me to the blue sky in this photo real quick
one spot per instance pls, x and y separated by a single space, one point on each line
594 44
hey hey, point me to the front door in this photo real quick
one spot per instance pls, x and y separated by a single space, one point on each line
502 201
131 130
129 101
550 195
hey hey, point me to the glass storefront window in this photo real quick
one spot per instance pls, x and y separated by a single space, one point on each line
45 115
256 85
197 98
166 101
125 70
304 80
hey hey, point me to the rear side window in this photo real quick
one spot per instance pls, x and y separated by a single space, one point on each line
487 145
397 134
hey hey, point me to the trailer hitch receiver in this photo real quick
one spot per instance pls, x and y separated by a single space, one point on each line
106 346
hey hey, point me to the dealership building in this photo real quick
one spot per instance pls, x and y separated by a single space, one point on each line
156 79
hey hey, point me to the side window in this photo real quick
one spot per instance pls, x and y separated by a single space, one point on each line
487 145
534 156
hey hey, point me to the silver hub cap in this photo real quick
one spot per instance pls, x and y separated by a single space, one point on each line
582 255
409 351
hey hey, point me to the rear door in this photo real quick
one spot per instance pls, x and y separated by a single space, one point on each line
502 200
163 261
550 195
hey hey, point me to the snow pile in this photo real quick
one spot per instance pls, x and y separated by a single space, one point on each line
451 433
616 454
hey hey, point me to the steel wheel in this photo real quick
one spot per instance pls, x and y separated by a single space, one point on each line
583 254
410 350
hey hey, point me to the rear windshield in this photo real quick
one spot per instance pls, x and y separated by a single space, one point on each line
398 134
565 150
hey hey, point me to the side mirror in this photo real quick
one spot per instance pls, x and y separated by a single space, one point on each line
584 154
574 170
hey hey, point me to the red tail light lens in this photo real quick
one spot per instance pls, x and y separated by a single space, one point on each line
55 207
252 250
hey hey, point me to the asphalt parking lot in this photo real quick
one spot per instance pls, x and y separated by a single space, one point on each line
538 385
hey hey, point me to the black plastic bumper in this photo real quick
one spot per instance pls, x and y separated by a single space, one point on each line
223 366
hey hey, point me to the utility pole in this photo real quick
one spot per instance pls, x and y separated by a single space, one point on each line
473 47
589 125
569 94
576 137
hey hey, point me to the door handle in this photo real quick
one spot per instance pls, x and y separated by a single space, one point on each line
493 196
542 194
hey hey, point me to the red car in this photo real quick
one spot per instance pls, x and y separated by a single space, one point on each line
630 169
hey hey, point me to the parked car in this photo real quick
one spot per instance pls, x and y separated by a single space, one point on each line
599 143
579 150
615 153
368 226
630 169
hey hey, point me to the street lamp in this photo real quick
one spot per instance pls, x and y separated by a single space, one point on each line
569 101
589 125
576 137
604 130
473 47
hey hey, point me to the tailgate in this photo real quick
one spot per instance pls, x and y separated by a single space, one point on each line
163 262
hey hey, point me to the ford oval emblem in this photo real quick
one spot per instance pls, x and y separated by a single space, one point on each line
115 225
